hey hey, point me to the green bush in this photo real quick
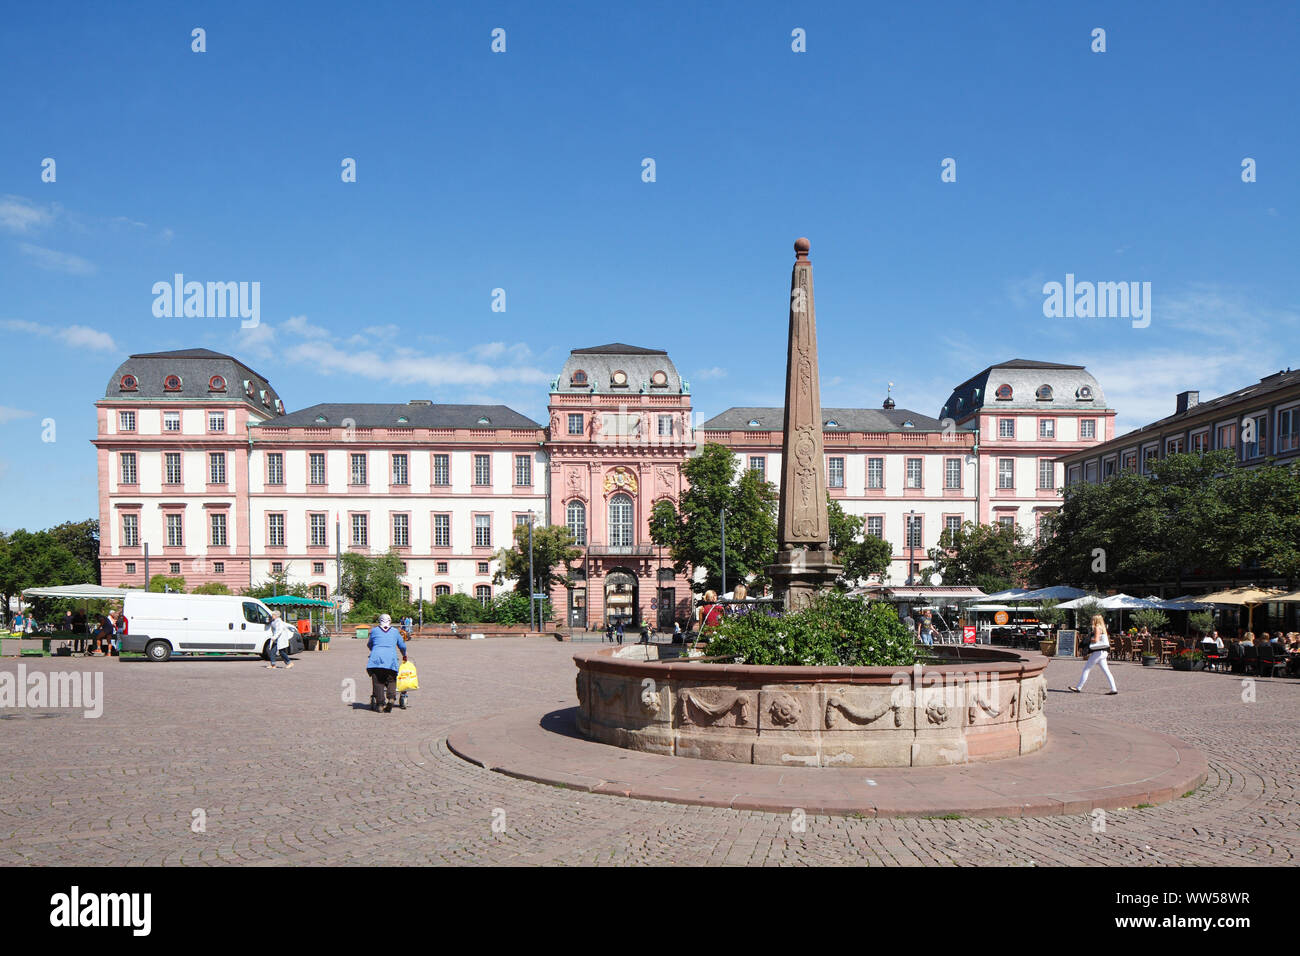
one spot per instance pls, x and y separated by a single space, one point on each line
460 608
834 630
212 587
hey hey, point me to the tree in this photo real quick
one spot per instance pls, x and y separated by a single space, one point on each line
373 581
553 547
161 582
38 559
992 557
276 583
214 587
861 555
692 532
460 608
81 538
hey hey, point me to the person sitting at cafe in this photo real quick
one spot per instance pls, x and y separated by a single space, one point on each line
1248 638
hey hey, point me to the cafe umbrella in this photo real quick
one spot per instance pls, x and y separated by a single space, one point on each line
1249 597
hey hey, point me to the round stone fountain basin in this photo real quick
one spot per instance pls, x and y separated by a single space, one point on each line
982 704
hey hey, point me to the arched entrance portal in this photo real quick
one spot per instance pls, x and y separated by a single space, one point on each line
621 598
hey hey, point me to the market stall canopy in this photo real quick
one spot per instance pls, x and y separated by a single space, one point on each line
1293 596
1059 592
921 592
1013 594
290 599
1186 603
1249 597
1080 601
80 592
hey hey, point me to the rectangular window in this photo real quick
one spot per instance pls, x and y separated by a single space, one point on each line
913 530
1149 454
1047 428
318 539
952 525
127 460
1201 442
175 531
1006 472
875 472
171 421
174 567
277 567
401 531
442 470
1256 429
523 470
1007 521
1088 428
576 515
914 473
521 520
482 531
952 473
360 531
131 531
666 425
1006 428
575 424
442 531
876 526
399 470
318 567
217 468
173 462
216 421
835 472
126 421
358 470
1046 474
218 521
275 468
218 567
1288 430
1108 468
1090 472
482 567
130 567
482 469
1130 461
1226 435
758 463
317 462
1174 446
442 567
275 530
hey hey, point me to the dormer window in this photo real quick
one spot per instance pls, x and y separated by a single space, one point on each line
659 379
321 420
1003 393
909 424
248 388
618 379
579 377
279 407
1044 393
216 384
129 383
403 420
172 383
485 420
1084 394
832 423
265 398
754 423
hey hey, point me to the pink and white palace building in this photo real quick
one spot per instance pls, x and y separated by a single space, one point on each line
199 460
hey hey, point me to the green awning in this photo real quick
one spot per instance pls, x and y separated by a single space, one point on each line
295 601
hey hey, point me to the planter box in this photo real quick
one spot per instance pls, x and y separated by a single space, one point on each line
1150 660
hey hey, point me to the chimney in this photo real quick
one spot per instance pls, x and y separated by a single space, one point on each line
1187 400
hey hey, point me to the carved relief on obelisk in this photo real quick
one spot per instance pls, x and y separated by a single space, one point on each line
804 562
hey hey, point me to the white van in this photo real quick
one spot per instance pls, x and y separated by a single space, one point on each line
160 625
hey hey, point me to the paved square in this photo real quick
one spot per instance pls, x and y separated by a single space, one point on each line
285 772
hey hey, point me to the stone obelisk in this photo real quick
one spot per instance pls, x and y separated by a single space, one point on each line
804 562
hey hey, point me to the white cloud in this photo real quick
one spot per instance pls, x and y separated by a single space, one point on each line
74 336
55 261
8 414
21 215
707 374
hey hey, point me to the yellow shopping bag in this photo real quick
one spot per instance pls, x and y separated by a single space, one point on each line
407 678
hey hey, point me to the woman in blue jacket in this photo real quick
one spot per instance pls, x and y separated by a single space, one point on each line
385 641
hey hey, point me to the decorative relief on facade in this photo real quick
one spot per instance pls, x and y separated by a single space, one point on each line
621 479
784 710
573 480
650 698
867 715
977 704
712 713
607 693
937 713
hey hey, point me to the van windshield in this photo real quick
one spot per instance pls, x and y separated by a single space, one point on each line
254 614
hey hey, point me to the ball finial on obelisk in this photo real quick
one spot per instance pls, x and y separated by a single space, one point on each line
801 247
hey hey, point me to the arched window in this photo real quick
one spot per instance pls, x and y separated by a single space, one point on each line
1044 393
129 383
579 377
216 384
483 592
1003 393
620 521
576 518
319 592
172 383
441 590
1084 394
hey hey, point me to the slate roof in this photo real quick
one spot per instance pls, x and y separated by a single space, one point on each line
370 415
195 368
846 419
1025 376
599 362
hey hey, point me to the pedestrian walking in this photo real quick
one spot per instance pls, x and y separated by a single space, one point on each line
1097 655
925 629
385 643
278 642
619 631
609 631
453 628
677 632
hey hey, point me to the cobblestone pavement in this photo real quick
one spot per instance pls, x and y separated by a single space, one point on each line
284 771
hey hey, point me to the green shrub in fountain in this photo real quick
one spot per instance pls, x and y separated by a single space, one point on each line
834 630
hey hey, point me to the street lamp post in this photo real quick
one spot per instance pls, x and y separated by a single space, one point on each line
532 581
723 515
420 581
338 571
911 547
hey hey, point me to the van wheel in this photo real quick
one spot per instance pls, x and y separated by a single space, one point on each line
158 651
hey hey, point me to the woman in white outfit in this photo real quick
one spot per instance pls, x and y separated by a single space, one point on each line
278 642
1097 655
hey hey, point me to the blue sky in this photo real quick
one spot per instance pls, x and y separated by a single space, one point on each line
523 171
